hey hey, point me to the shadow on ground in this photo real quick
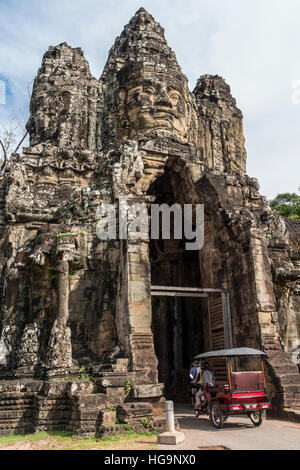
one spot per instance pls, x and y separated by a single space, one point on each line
187 420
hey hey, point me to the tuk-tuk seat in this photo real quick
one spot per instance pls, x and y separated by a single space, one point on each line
218 387
247 381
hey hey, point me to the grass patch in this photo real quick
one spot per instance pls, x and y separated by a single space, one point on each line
11 439
130 440
63 440
128 435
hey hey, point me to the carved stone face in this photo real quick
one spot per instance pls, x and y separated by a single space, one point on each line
155 102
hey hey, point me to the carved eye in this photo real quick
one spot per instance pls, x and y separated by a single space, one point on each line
174 96
133 94
149 90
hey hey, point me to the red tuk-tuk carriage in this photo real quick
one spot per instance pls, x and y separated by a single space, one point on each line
243 393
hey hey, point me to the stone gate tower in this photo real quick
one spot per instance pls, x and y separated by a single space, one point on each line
70 300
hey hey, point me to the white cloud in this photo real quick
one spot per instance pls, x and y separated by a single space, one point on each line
251 43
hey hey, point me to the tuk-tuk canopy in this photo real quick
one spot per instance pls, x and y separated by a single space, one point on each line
234 352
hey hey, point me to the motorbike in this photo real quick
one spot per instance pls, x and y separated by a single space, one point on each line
193 390
243 393
203 407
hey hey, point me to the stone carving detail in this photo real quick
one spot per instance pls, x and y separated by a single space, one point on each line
69 300
64 101
60 351
129 170
29 349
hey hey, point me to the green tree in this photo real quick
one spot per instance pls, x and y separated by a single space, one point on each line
287 204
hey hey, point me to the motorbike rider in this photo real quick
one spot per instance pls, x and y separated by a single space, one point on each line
194 379
205 380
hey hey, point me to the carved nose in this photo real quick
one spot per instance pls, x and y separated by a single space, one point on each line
163 100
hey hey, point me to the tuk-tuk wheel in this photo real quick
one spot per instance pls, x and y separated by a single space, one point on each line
256 417
215 414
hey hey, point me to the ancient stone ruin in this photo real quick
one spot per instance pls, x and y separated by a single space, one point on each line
82 329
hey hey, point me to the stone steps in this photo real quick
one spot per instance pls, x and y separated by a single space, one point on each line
17 427
289 379
52 413
291 388
291 414
17 413
85 423
281 359
290 393
282 368
54 426
287 368
86 413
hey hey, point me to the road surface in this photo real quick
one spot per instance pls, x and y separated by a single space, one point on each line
238 433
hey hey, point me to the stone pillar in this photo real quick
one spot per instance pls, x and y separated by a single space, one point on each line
178 386
143 357
134 312
170 437
62 269
59 355
265 296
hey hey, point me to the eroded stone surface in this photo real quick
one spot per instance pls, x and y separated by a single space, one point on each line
70 300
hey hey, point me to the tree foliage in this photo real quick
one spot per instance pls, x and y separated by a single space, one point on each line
287 204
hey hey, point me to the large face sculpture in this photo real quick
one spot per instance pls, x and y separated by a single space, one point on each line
48 111
155 102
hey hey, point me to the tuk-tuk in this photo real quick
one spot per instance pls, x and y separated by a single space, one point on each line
243 393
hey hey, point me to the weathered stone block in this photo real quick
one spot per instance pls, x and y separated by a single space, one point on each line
108 431
112 380
55 388
107 417
132 412
10 386
265 317
148 390
94 402
116 395
82 387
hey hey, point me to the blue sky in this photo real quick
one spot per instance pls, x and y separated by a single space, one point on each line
253 44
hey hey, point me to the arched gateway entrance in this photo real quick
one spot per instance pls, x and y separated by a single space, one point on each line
162 333
186 320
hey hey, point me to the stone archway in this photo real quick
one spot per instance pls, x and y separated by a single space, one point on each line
183 327
177 323
234 258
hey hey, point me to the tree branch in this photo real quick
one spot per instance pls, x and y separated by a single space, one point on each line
21 141
5 157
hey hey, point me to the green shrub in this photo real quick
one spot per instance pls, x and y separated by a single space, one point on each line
84 375
127 386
